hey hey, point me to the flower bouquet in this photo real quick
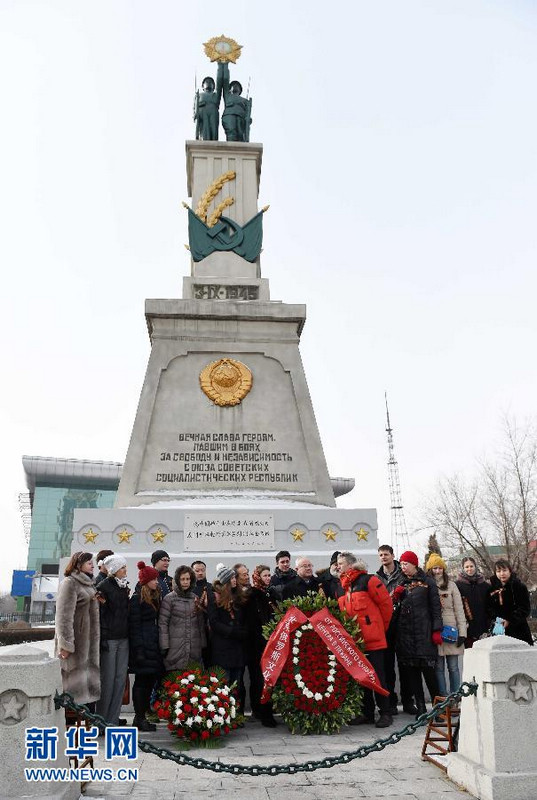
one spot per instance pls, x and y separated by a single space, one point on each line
314 692
199 705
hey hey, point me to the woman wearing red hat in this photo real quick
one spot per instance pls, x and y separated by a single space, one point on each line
418 627
145 659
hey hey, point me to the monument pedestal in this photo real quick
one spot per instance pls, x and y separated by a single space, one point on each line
249 531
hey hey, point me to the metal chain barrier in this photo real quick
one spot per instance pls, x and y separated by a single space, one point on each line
466 689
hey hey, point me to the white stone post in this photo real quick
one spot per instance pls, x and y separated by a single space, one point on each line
29 679
497 755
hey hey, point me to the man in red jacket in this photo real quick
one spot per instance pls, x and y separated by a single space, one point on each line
365 597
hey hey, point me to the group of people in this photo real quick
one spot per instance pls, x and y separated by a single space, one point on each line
433 618
103 633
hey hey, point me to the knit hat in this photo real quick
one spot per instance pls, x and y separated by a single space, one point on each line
146 573
435 560
157 555
224 574
409 557
114 563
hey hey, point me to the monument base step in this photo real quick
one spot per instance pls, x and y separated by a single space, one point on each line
487 785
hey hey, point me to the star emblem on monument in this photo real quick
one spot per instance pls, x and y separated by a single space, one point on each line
90 536
13 708
298 535
158 536
361 535
330 535
520 688
222 48
124 537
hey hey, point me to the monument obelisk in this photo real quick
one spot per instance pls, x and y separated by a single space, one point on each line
225 458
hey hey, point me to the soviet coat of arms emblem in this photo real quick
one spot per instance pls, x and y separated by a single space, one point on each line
226 382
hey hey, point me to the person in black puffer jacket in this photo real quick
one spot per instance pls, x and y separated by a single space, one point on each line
113 595
228 628
145 659
474 591
419 627
509 600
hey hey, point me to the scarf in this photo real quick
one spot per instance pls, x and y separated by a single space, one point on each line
348 578
121 582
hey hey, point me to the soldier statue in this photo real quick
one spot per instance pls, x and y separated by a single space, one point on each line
236 117
206 114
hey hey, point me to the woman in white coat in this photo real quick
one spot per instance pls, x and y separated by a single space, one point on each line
452 615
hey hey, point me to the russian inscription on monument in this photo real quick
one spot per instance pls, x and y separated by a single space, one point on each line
226 458
213 532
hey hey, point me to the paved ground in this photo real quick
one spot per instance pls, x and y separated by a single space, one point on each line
396 772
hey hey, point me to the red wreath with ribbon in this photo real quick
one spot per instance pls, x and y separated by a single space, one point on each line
317 664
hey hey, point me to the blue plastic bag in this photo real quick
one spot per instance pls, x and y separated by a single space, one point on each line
498 629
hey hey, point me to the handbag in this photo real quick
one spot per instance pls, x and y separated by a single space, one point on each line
449 634
125 700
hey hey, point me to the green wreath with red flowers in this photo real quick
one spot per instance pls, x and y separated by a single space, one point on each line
314 692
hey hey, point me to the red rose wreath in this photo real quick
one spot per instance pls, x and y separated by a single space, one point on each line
314 693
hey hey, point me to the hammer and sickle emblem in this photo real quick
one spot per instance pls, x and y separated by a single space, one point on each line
223 238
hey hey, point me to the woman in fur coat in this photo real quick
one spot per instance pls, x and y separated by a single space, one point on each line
181 622
509 600
78 631
452 615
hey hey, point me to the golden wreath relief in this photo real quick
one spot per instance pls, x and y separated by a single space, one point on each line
226 382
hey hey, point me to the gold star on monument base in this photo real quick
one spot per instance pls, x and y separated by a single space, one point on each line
124 537
90 536
330 535
362 535
158 536
297 535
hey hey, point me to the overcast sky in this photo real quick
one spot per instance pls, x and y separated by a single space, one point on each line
400 166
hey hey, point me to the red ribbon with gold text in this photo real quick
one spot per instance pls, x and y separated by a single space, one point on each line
334 636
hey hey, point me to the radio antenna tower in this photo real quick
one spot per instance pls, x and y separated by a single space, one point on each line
400 539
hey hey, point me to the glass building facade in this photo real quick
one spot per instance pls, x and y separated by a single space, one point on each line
58 486
52 519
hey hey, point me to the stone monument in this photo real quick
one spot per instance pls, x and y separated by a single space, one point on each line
497 757
29 679
225 460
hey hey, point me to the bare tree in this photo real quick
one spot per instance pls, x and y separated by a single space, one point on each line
433 546
498 506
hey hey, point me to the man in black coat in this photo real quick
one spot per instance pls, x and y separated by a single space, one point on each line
283 572
391 575
160 560
304 581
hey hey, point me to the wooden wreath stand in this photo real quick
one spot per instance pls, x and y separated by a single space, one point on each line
441 735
